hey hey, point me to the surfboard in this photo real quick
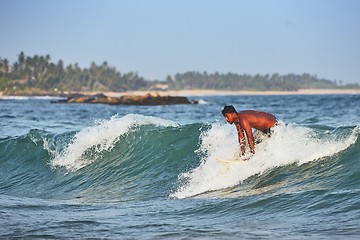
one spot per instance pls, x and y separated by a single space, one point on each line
234 161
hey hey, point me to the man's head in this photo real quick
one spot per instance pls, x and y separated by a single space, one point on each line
230 114
228 109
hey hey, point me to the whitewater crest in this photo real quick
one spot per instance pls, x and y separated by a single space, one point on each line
101 137
289 144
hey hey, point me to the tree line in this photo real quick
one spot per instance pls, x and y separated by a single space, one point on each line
35 73
38 72
267 82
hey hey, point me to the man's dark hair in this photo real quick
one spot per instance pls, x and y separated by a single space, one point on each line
228 109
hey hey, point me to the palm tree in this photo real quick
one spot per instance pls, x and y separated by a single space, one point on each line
4 67
60 69
21 62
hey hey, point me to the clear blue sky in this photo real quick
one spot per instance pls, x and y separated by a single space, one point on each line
160 37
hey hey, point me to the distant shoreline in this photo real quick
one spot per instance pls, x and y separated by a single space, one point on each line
201 92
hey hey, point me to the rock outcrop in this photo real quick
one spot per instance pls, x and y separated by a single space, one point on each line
148 99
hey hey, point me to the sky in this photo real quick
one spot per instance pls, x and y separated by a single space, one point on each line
156 38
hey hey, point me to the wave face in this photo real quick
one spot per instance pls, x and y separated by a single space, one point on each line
138 157
120 159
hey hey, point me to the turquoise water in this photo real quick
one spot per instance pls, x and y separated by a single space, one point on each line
125 172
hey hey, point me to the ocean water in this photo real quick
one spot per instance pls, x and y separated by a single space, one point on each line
77 171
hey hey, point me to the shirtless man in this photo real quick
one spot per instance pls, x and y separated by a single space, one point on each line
245 121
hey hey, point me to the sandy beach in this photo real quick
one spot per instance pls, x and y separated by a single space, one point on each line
202 92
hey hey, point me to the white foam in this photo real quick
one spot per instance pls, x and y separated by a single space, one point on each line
101 137
31 97
287 145
202 101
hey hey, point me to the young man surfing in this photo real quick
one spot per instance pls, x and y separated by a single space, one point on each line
245 121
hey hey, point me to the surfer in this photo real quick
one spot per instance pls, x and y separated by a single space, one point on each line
245 121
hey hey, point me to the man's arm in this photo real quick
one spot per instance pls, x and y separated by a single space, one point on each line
241 138
249 135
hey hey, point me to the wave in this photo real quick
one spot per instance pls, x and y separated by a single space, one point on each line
288 145
118 159
138 157
101 138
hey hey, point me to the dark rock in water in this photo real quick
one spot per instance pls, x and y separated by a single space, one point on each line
148 99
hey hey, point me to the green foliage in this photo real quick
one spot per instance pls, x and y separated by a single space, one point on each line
231 81
39 73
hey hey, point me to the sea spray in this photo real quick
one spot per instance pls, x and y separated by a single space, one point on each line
101 138
288 144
